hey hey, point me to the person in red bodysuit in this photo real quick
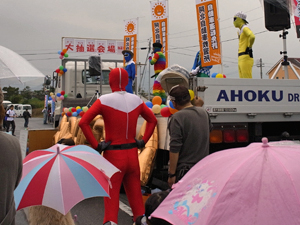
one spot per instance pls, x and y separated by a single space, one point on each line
120 111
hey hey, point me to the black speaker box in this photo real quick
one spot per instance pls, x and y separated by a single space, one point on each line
95 65
276 17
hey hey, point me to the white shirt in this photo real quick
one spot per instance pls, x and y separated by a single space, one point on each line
10 115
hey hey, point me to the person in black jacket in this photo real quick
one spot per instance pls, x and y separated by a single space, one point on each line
26 116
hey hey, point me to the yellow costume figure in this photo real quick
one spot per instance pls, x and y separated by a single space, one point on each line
246 40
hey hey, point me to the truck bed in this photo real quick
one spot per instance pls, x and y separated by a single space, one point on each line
249 100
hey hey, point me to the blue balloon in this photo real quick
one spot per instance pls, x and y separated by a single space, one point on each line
171 105
59 52
58 94
65 70
78 110
50 98
214 75
149 104
74 114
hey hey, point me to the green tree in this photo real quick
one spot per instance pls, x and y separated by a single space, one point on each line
36 103
27 94
10 92
39 94
16 98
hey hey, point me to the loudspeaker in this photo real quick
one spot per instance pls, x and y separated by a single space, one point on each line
276 17
95 65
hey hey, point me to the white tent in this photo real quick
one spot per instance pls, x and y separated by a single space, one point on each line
12 65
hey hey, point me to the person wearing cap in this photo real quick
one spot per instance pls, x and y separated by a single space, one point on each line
10 172
246 40
197 68
130 68
120 111
189 130
158 59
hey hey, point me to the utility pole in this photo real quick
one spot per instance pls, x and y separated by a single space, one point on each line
261 65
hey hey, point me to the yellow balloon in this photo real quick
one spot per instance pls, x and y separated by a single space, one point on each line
78 107
85 108
156 109
219 75
192 94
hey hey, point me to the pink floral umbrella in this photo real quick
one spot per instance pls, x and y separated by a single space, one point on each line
258 184
62 176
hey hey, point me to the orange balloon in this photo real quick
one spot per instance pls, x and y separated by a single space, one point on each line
64 50
63 113
156 100
172 111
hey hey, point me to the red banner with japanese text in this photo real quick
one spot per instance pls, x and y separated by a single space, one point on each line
159 19
297 16
208 29
130 37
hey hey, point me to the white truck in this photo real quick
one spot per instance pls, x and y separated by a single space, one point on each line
81 88
245 110
241 111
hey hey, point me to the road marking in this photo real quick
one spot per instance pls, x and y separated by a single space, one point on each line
125 208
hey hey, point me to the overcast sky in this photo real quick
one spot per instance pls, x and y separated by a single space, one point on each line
34 29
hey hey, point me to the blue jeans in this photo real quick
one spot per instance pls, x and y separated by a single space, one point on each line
26 122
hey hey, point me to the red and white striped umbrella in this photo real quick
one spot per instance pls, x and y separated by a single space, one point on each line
62 176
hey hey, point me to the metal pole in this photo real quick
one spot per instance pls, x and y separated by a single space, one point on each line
285 62
84 94
260 64
75 79
149 84
220 38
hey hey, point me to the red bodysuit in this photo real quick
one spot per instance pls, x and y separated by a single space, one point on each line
120 111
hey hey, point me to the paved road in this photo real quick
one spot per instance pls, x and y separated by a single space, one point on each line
87 212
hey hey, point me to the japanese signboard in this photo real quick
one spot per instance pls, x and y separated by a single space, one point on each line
159 19
208 29
130 36
81 45
297 16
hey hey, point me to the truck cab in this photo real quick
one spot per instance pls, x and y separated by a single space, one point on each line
82 88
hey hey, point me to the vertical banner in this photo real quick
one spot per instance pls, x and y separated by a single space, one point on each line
130 36
159 19
297 16
208 29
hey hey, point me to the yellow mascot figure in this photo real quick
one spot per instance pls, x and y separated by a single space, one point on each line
246 40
